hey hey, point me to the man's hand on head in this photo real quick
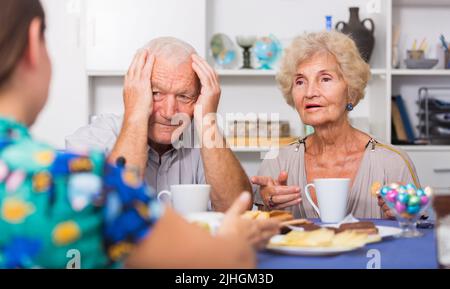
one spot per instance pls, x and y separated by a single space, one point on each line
208 100
137 92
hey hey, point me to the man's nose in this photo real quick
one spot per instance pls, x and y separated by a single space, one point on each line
170 107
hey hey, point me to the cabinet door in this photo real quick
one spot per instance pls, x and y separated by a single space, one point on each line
67 106
117 28
433 168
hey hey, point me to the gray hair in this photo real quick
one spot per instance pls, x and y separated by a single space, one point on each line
171 48
355 71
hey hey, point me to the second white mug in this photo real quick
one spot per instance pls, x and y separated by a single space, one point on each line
332 195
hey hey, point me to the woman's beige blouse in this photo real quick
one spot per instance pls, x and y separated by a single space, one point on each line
381 163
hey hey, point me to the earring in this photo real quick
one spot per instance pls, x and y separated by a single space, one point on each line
349 107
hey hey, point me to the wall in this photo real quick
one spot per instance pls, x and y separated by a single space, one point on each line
67 107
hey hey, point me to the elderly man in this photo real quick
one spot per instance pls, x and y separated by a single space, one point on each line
166 81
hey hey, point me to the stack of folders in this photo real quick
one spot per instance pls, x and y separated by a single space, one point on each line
438 118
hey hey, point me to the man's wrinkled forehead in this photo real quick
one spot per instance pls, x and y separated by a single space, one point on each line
174 76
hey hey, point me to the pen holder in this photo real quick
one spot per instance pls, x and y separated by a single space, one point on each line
447 59
416 54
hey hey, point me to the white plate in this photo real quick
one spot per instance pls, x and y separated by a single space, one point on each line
383 231
306 251
211 219
386 231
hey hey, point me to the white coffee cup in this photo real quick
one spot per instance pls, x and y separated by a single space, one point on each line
187 199
332 195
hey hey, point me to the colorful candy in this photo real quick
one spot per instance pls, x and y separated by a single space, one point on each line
400 207
384 191
394 186
420 193
412 210
392 196
411 186
405 200
428 191
424 200
413 201
411 192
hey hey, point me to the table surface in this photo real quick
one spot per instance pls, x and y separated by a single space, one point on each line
393 253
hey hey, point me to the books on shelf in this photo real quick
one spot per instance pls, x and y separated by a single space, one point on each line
258 133
258 128
403 128
398 132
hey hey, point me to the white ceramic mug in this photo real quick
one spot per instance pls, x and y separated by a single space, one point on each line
187 199
332 195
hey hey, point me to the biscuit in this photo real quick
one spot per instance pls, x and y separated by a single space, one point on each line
360 227
262 215
281 215
286 226
296 222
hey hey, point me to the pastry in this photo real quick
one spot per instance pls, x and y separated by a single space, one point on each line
277 214
360 227
281 215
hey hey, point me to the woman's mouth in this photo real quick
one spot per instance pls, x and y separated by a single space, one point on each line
312 106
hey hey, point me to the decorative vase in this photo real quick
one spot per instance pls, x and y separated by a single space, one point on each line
362 35
246 42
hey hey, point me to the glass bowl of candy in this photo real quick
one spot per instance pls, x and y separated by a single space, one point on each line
407 203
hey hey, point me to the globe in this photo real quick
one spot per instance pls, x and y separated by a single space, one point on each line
267 50
223 51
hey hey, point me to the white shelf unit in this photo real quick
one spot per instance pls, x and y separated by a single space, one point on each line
425 148
250 149
105 73
421 3
245 72
257 72
247 91
421 72
432 162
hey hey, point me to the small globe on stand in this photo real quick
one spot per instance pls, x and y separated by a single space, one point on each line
223 51
246 42
268 51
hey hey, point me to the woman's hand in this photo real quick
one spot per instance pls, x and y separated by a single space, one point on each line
276 194
137 92
256 232
386 210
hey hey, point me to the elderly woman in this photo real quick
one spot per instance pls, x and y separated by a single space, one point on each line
323 77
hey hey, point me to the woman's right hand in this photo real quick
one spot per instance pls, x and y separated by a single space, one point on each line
385 208
276 194
256 232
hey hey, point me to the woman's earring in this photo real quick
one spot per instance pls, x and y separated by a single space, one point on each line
349 107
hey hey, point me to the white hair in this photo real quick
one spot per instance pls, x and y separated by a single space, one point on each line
171 48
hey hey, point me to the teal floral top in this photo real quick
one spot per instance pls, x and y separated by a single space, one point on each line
67 210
